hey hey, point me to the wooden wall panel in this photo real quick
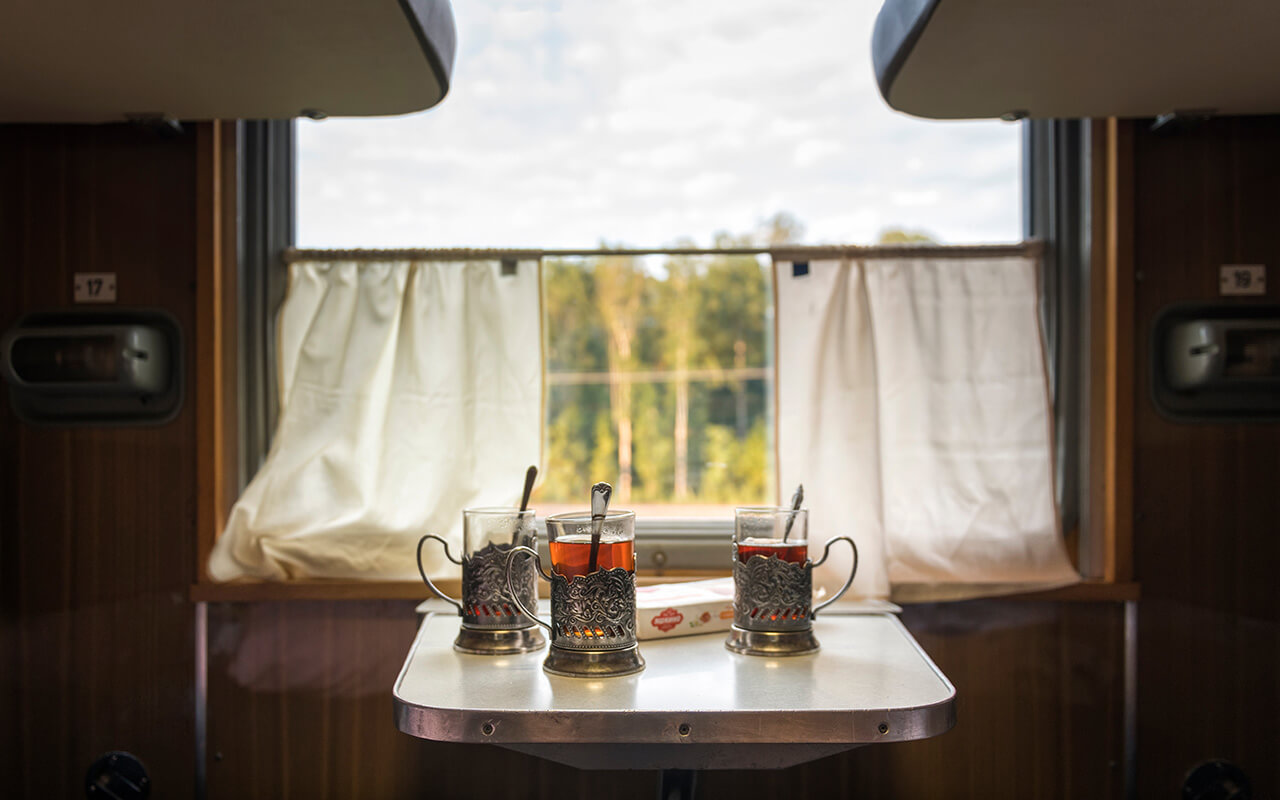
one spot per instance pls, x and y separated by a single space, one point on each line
96 524
1206 496
1039 698
299 706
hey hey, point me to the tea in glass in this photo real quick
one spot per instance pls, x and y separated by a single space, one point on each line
593 595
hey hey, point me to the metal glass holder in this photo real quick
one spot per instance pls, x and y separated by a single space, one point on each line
593 622
493 622
772 604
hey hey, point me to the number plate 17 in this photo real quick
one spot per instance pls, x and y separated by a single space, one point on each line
1242 279
95 287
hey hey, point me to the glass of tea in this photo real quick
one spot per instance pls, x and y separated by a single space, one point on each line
773 608
593 594
569 540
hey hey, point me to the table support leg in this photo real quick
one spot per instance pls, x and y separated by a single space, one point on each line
677 784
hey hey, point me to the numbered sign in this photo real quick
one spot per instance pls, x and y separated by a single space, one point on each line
95 287
1242 279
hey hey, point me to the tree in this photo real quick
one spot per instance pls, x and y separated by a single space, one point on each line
575 335
782 228
653 459
567 453
679 307
903 236
620 288
675 436
604 458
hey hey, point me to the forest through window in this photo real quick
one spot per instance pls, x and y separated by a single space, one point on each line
659 380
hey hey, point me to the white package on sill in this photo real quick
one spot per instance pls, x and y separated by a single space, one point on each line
684 609
667 610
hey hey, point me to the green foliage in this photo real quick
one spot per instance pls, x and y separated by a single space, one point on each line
610 317
574 327
604 456
736 469
654 449
567 452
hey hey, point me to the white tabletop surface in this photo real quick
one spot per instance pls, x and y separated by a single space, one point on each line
871 682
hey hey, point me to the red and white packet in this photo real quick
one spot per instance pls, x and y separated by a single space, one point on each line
684 609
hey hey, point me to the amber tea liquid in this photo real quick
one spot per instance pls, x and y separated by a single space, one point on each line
571 555
787 551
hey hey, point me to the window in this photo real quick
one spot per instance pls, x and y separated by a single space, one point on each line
577 125
659 380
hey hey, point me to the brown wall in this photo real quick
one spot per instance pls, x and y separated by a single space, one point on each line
97 526
1206 497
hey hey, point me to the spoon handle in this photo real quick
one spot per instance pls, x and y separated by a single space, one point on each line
529 477
796 500
600 494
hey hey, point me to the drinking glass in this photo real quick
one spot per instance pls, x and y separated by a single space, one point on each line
593 595
773 609
492 620
569 540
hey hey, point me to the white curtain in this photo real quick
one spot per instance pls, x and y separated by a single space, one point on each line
408 391
913 406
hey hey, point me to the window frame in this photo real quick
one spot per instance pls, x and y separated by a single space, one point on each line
267 199
1057 187
1059 209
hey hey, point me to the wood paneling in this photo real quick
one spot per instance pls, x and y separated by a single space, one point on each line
215 367
299 706
97 528
1111 355
1207 505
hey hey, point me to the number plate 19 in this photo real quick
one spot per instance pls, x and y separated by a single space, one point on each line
95 287
1242 279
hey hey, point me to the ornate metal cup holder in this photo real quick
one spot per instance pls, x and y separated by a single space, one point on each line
493 623
593 622
773 609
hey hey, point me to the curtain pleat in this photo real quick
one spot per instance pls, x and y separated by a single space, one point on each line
409 391
912 404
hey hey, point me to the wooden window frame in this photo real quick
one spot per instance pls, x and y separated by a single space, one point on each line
1112 367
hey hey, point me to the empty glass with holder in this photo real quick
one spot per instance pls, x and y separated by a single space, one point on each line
494 621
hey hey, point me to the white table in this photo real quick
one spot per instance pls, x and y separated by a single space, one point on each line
695 706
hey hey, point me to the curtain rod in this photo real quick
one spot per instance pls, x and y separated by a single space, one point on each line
781 252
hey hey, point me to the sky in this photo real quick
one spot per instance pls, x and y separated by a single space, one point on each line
570 124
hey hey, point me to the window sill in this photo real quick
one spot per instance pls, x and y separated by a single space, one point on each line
275 591
1087 591
270 591
1094 591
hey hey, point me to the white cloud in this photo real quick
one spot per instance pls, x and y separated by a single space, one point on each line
812 151
925 197
574 122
